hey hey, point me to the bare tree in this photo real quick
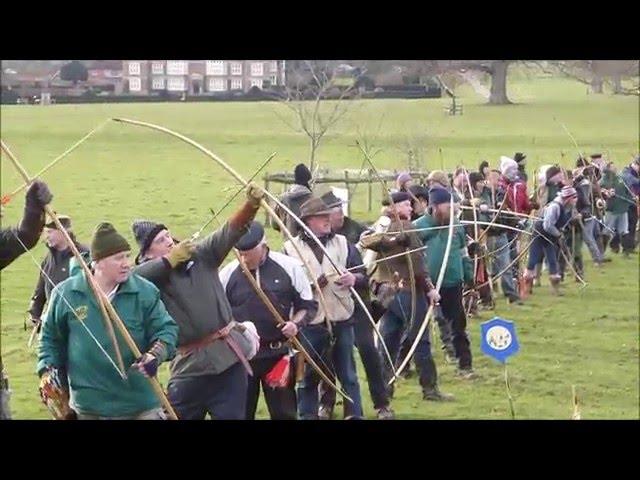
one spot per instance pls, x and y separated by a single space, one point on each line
306 98
598 73
412 146
496 69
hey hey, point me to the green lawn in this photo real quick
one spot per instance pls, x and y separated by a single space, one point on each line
588 338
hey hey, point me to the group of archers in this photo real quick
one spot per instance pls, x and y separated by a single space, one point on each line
285 319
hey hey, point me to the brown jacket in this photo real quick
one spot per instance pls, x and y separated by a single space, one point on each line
393 270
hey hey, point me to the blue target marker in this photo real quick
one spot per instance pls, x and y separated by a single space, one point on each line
499 339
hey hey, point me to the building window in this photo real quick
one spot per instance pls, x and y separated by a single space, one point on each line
256 69
216 67
274 79
217 85
176 84
135 84
256 82
134 68
157 68
236 68
274 66
177 67
236 84
158 84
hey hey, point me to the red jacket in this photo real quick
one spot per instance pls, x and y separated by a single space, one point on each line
517 198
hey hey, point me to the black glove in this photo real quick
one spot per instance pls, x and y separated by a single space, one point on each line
147 365
38 195
473 248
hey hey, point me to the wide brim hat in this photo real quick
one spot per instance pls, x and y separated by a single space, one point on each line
314 207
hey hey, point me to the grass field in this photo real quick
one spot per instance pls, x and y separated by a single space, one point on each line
588 338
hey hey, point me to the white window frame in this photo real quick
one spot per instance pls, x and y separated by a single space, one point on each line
274 80
217 85
274 66
256 82
135 84
216 67
157 68
158 83
134 68
236 84
172 84
235 68
177 67
257 69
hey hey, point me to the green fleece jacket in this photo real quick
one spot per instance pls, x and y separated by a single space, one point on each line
621 201
436 241
94 384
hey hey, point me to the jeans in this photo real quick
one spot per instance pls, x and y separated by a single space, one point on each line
541 248
446 338
453 311
589 234
316 340
395 328
371 360
629 240
617 222
500 261
223 396
281 401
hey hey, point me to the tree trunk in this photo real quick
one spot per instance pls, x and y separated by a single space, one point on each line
596 84
312 154
499 83
617 84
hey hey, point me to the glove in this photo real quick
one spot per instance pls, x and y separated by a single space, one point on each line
55 395
39 195
180 253
322 281
147 365
484 207
255 194
473 248
403 240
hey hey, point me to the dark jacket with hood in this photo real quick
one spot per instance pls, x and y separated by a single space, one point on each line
56 266
293 200
584 205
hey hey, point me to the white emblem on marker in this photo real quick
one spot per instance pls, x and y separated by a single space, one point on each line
498 337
